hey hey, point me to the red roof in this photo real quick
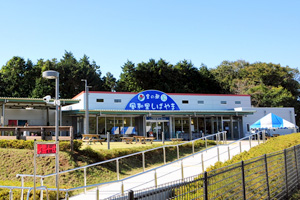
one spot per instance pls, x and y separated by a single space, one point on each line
190 94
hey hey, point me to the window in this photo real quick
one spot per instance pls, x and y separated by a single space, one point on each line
223 102
237 102
118 101
248 127
100 100
185 102
200 102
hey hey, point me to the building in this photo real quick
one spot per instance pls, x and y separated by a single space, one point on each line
34 111
170 114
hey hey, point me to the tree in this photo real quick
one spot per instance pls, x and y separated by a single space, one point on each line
127 81
17 76
109 82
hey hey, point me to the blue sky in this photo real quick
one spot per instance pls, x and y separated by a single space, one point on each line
112 32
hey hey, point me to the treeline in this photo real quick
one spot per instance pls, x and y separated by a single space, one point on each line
270 85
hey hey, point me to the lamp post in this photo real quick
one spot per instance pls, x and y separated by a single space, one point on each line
55 75
86 88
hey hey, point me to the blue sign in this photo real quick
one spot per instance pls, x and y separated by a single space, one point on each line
152 100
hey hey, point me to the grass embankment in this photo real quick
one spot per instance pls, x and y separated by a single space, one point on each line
226 182
272 145
20 161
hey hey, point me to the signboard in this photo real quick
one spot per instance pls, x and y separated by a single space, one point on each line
152 100
158 119
48 149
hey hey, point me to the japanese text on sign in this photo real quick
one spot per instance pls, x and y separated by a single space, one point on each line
46 149
152 100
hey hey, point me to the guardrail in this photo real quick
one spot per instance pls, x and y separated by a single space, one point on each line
220 137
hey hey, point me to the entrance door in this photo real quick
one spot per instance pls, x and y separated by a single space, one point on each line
157 126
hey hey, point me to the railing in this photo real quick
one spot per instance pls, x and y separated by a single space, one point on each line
122 191
11 188
271 176
234 147
220 137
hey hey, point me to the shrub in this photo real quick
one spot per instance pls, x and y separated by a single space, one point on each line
21 144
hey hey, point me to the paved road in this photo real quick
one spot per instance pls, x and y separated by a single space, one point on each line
171 172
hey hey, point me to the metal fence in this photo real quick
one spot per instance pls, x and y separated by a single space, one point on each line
271 176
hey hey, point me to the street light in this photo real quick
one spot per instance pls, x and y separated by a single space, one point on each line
86 88
55 75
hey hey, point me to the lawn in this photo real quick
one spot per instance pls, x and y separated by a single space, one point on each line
123 145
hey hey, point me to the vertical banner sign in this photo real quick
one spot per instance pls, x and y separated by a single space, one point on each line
42 150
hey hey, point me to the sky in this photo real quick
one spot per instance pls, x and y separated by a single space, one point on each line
113 31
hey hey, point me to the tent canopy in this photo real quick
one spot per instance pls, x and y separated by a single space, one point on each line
271 121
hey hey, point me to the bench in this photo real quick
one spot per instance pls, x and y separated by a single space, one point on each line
92 138
150 139
139 139
176 139
128 140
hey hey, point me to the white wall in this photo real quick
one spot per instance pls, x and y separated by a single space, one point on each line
34 117
211 102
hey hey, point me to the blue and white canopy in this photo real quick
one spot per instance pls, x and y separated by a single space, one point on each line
271 121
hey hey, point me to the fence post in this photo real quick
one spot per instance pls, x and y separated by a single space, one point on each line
267 176
164 151
228 152
264 136
296 162
177 152
97 194
122 188
22 185
118 169
202 162
41 193
206 143
205 186
155 179
193 147
250 141
243 180
143 161
240 146
67 196
182 174
286 174
258 138
84 171
130 195
11 195
218 151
